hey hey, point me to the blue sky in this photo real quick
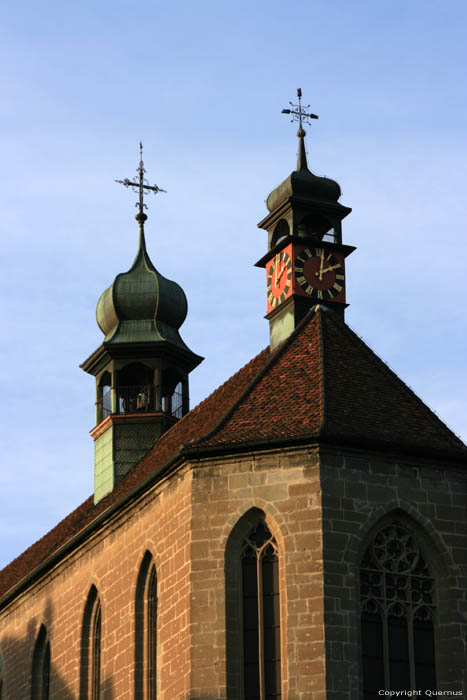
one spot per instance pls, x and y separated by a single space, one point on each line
203 84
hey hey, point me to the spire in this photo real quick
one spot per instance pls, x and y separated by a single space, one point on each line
300 115
139 187
301 157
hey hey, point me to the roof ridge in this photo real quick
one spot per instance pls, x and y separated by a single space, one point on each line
168 433
275 356
322 427
383 367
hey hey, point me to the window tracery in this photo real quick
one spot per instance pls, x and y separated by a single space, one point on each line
397 602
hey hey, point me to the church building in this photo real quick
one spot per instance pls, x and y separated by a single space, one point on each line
301 534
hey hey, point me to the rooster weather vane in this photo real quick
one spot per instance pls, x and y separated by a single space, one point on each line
140 186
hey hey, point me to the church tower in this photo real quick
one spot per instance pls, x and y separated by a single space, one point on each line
142 366
305 261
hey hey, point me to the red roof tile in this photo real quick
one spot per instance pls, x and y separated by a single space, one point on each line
327 383
323 383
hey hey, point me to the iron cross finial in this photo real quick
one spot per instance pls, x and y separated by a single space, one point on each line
140 186
298 113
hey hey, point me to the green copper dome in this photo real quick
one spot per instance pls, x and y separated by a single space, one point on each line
142 305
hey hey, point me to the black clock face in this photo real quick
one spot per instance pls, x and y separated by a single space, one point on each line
319 273
279 279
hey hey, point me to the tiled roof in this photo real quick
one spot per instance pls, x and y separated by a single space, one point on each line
327 383
323 383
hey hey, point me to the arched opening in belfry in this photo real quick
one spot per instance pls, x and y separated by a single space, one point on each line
135 390
280 232
172 393
104 396
314 226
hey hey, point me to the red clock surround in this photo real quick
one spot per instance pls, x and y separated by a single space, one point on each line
279 276
313 271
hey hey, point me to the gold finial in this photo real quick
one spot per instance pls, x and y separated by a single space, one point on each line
140 187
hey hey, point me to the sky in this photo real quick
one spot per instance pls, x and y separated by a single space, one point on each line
202 84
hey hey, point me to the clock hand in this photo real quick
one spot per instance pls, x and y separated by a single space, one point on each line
275 274
320 273
328 269
281 273
321 265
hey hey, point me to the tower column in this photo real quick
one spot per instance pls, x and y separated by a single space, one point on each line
114 391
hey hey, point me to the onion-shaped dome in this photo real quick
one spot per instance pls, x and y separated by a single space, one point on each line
142 305
304 185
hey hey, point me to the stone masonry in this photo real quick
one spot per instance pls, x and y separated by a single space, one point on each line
320 507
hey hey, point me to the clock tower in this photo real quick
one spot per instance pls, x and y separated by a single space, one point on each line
305 261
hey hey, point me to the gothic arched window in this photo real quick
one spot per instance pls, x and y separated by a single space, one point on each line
261 615
91 648
41 667
146 631
397 603
2 680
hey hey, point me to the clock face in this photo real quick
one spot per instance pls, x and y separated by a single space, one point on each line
279 279
319 273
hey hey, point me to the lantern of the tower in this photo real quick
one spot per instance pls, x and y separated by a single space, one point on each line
305 261
141 368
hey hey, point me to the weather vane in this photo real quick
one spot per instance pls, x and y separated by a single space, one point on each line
298 113
140 186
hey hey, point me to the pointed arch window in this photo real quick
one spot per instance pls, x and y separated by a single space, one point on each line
146 631
397 604
2 680
91 648
261 615
40 682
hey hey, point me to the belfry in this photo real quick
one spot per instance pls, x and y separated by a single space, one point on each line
142 366
305 261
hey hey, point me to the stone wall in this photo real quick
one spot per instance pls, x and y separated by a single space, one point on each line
193 524
188 523
110 559
228 498
429 499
